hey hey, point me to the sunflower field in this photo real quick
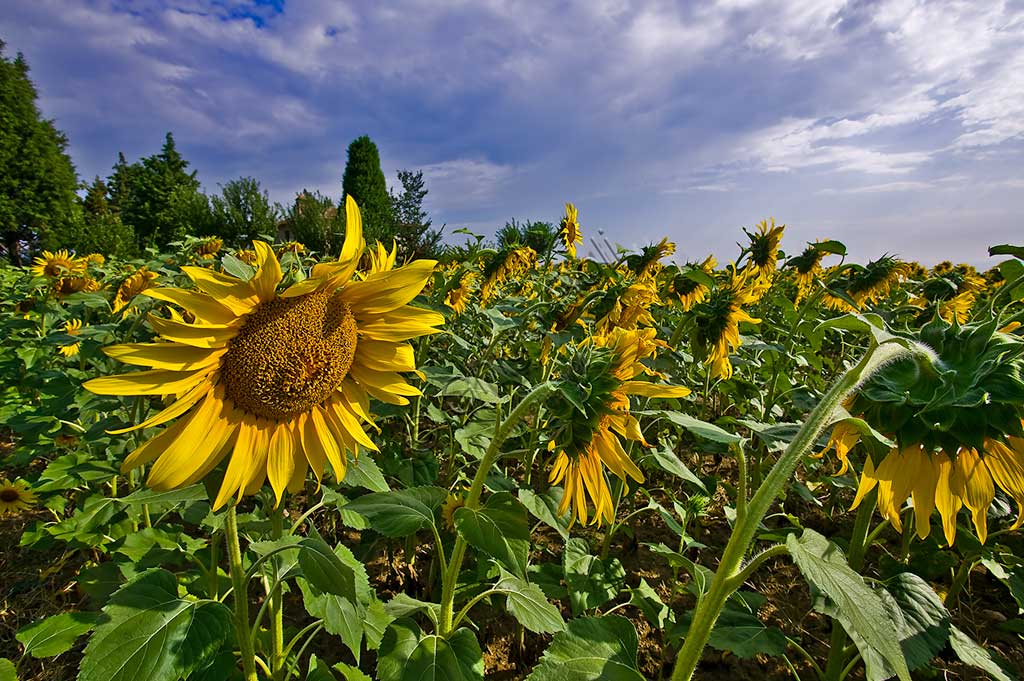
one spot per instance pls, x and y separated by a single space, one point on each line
514 463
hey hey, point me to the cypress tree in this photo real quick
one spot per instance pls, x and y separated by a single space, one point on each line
364 181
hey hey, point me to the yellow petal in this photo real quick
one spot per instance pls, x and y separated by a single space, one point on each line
258 458
238 296
384 356
979 490
867 482
322 437
354 243
924 493
204 307
1007 469
151 449
237 472
303 287
268 275
385 291
947 500
192 451
346 424
280 459
311 447
176 409
647 389
195 335
164 355
155 382
399 325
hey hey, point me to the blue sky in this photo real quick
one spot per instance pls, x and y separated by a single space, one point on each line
895 126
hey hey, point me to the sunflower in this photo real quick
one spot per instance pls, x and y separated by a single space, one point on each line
570 232
65 286
293 247
958 307
207 249
15 497
379 259
453 502
248 256
688 290
458 298
57 265
96 259
647 263
511 262
764 251
630 308
718 321
280 381
958 432
141 280
71 327
808 270
604 368
876 279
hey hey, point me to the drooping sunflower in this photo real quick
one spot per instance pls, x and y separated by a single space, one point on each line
876 279
207 249
689 290
247 255
958 432
65 286
134 284
628 306
15 497
280 381
807 267
570 231
293 247
96 259
57 265
602 371
764 250
718 320
509 263
458 297
647 263
72 327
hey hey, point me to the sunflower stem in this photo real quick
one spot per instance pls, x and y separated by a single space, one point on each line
277 658
450 577
710 605
239 595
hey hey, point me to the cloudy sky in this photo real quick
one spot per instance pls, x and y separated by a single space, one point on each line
893 125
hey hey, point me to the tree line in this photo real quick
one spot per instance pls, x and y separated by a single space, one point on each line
157 200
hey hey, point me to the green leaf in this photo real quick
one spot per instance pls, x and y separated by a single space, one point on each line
971 653
647 600
920 616
1007 249
457 658
592 582
743 635
148 633
400 639
708 431
591 649
237 268
859 608
174 496
544 507
473 388
324 570
57 634
527 603
7 670
499 529
350 673
363 472
402 605
670 463
399 513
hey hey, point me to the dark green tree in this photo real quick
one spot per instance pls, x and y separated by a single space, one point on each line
313 220
364 181
158 198
99 228
243 211
37 179
411 223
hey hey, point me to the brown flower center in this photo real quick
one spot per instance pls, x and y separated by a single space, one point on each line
290 355
9 495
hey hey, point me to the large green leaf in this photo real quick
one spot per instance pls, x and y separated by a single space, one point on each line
363 472
499 529
920 616
544 507
861 611
399 513
527 603
148 633
670 463
457 658
322 568
743 635
57 634
592 582
400 639
7 670
591 649
708 431
976 656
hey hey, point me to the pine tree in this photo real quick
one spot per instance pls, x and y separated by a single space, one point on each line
412 225
364 181
37 179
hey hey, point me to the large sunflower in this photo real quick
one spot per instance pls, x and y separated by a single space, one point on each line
279 380
764 250
587 441
718 321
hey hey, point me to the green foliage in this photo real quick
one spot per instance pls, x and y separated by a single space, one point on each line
364 181
314 221
37 178
413 235
243 212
